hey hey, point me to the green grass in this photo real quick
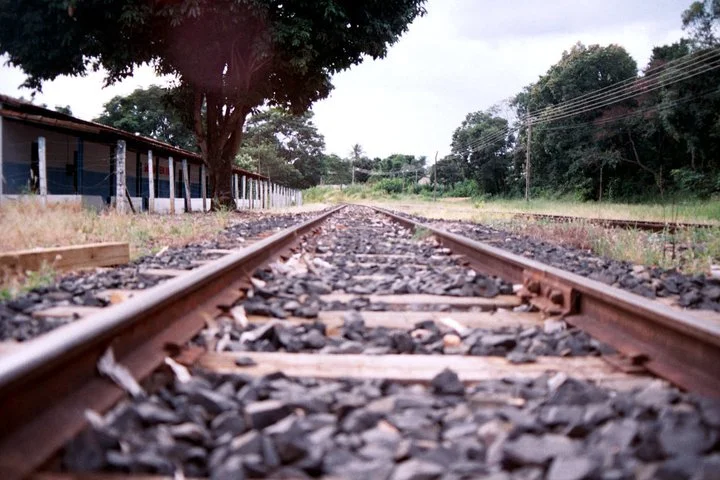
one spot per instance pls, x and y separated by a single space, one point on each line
683 211
15 285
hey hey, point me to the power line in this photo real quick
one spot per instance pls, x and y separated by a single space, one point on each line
686 67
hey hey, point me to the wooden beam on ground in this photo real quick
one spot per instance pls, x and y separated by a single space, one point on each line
164 272
500 301
67 258
407 320
66 311
409 368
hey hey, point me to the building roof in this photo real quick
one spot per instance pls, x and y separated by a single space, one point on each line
22 110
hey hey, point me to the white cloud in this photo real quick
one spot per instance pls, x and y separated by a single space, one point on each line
464 56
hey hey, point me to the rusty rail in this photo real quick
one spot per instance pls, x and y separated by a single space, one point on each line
649 225
46 386
671 343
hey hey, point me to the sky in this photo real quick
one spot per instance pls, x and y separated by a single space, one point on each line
463 56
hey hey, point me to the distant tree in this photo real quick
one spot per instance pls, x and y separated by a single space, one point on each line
337 170
288 148
66 109
149 112
702 21
560 161
232 56
480 148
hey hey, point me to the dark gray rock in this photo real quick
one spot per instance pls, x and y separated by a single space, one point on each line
261 414
415 469
151 412
447 382
538 449
571 468
230 469
249 443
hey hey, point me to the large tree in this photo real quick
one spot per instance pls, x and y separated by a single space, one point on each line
480 147
150 112
231 56
288 148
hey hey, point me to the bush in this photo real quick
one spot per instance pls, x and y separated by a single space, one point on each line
692 183
389 185
466 188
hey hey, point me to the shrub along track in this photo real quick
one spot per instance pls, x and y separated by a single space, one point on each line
397 360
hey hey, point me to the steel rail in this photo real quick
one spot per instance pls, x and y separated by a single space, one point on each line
650 225
671 343
48 384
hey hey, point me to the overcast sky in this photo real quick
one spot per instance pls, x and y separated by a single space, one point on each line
463 56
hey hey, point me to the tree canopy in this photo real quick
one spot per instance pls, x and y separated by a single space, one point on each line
231 56
149 112
287 148
660 137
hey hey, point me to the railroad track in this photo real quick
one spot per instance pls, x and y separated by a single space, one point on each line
653 226
405 352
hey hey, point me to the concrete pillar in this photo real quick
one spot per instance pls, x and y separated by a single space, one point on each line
171 179
253 193
120 203
151 182
79 165
203 186
300 200
236 182
42 170
243 195
186 183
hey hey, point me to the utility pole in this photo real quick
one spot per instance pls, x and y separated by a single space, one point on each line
435 186
527 160
352 167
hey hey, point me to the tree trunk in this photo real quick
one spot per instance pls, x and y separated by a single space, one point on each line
219 133
220 170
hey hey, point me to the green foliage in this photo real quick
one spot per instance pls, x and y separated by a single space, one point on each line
286 147
389 185
231 56
466 188
149 112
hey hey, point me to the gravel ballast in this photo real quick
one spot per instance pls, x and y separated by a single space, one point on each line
552 427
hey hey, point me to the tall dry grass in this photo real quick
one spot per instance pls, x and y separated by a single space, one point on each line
27 225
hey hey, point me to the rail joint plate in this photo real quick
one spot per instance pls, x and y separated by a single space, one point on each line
547 294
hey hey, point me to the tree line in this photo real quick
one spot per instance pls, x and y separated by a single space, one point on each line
595 128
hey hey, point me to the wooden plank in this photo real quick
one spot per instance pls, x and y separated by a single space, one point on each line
501 301
219 251
65 311
407 320
66 258
164 272
410 368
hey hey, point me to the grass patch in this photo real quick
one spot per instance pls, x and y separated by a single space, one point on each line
28 225
13 284
421 233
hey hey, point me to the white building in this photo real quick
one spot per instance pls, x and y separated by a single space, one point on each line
62 158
